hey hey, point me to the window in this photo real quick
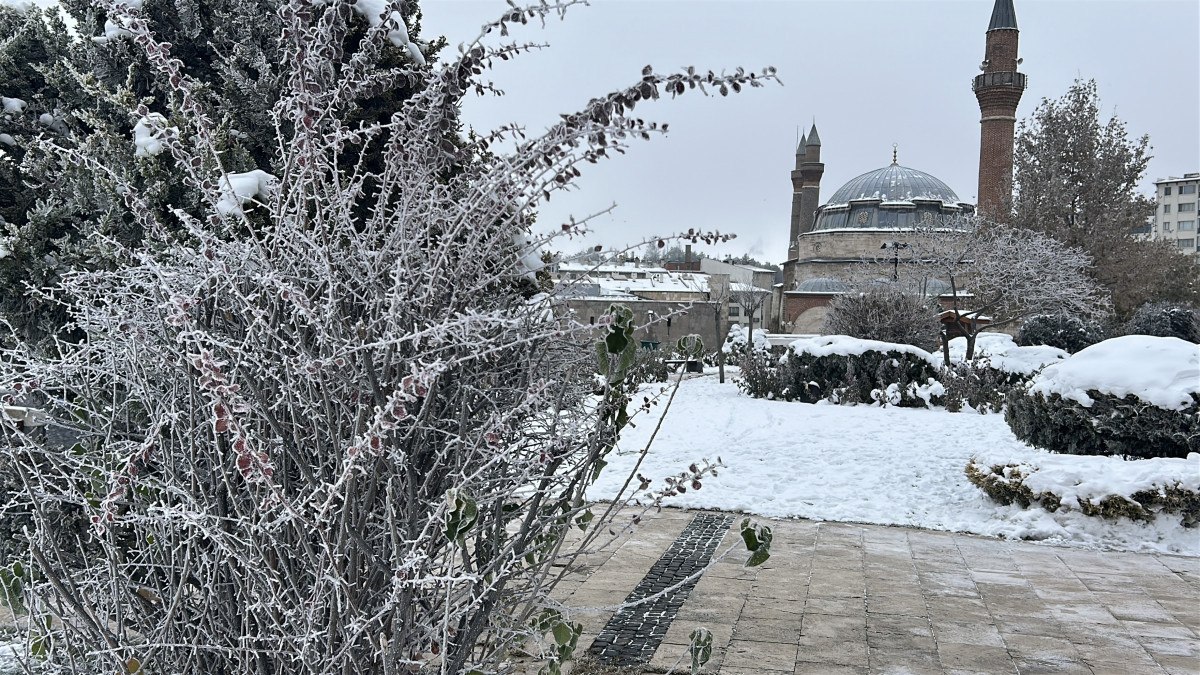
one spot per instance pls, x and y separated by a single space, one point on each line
1167 191
1166 208
735 310
1166 227
1186 207
1187 189
592 320
1186 244
1186 225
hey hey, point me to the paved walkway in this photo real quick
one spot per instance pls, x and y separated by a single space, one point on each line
843 598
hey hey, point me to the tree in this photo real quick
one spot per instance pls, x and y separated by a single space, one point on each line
318 438
999 274
751 300
886 314
90 90
1075 179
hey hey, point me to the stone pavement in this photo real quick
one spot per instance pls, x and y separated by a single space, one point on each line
845 598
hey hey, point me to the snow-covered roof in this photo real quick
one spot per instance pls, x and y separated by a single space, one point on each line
622 268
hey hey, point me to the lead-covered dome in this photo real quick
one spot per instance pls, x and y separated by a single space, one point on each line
894 197
894 183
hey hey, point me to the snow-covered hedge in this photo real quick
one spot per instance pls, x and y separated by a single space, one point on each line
1108 487
1163 319
843 369
1136 395
1064 331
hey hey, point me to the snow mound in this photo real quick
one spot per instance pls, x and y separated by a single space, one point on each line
842 345
1002 353
373 11
148 135
1162 371
12 106
239 188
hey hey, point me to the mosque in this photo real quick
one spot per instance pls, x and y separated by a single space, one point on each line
829 241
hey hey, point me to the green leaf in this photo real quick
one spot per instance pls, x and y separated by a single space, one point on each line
562 634
749 535
700 648
462 515
616 342
584 518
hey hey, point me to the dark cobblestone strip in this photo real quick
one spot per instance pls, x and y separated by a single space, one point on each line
631 635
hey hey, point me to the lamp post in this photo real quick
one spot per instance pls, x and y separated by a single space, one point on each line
895 246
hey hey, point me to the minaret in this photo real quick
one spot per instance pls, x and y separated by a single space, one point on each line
998 90
797 198
806 187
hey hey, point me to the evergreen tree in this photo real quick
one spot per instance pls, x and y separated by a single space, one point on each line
1076 177
63 215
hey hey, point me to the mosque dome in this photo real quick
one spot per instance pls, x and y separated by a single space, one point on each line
821 285
894 197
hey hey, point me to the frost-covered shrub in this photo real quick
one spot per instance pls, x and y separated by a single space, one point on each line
999 366
326 426
975 384
1106 487
886 315
1135 396
1163 319
1065 331
842 369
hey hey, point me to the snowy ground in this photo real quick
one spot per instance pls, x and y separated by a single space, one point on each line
892 466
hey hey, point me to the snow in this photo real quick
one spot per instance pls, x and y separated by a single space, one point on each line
116 29
867 464
148 134
1162 371
1001 352
8 657
238 188
841 345
1080 477
373 11
7 139
737 339
14 106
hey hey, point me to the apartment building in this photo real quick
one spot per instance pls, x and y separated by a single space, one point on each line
1175 219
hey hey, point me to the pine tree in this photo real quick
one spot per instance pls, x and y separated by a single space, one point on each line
64 215
1076 178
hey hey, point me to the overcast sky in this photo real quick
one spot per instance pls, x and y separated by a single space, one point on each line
870 73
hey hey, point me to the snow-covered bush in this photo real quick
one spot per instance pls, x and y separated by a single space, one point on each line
1135 396
1064 331
845 370
1163 319
886 315
999 366
332 429
737 345
1107 487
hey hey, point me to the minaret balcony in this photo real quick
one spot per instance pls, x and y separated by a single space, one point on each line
1012 80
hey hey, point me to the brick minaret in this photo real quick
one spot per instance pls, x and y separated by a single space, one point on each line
806 187
998 90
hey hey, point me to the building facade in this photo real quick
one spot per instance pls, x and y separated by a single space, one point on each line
1175 218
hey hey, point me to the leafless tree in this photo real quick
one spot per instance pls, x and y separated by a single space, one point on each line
998 274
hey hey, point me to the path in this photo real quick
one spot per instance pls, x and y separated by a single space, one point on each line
844 598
